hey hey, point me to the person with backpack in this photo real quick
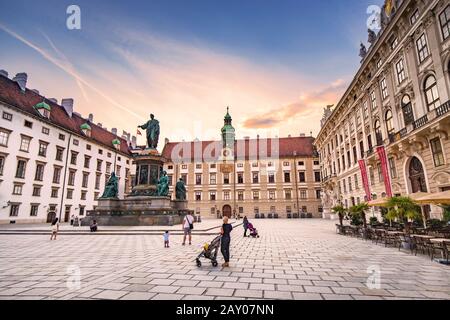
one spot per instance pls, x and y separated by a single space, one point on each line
188 225
55 228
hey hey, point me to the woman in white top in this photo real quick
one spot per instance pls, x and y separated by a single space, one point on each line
188 225
55 228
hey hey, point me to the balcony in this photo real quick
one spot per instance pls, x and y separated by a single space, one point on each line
445 108
420 122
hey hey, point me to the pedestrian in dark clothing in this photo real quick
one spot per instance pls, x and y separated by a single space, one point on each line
225 242
245 224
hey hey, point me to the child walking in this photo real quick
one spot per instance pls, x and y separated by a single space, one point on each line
166 239
55 229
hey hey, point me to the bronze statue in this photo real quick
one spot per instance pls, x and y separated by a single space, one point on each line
152 128
163 185
111 188
180 190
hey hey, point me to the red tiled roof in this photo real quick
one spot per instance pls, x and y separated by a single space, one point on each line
11 94
248 149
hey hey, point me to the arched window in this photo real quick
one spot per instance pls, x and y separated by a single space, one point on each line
389 123
431 93
408 114
378 134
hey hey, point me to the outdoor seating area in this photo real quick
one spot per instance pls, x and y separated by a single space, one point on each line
269 216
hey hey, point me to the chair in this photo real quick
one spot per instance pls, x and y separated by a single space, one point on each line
257 216
275 216
339 229
390 240
303 215
270 216
289 216
438 247
296 216
403 238
309 215
263 216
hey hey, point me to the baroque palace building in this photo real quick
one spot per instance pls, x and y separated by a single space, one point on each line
249 177
389 134
53 162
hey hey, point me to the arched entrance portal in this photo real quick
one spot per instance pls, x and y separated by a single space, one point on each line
417 176
226 211
51 216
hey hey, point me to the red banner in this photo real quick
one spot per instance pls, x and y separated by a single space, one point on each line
365 179
384 169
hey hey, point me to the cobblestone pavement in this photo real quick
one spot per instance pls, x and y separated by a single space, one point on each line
293 259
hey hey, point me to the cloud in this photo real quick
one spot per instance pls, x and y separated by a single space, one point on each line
308 105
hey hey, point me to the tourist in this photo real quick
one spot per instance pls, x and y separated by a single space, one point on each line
166 239
55 228
72 219
225 241
94 226
245 224
188 225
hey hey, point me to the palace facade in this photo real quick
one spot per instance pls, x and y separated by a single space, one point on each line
53 162
389 134
250 177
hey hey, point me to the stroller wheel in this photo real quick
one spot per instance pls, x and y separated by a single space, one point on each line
199 263
214 264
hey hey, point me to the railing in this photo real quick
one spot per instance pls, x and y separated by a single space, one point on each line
440 111
420 122
398 136
402 133
369 152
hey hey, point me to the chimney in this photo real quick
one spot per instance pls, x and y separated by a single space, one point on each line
53 100
289 136
21 79
246 138
114 131
67 104
4 73
35 91
91 118
100 125
302 135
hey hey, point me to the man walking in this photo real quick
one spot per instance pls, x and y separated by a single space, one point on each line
188 225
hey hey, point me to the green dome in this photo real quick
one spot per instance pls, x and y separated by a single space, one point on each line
42 105
228 116
85 126
116 142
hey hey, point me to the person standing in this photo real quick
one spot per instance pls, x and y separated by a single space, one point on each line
166 239
245 225
225 241
55 228
72 219
188 225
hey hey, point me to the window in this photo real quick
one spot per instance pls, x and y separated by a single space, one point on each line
255 195
212 178
444 20
384 89
4 137
198 179
288 209
355 155
288 194
226 195
34 210
414 17
56 175
378 133
350 186
100 151
379 63
87 161
17 189
45 130
255 177
169 177
69 193
108 167
7 116
25 144
256 210
241 210
344 185
392 168
303 194
14 211
372 176
198 196
241 195
21 167
271 194
76 142
170 167
83 195
301 176
85 180
318 194
198 166
240 178
212 196
400 68
28 124
394 43
272 209
39 176
380 173
99 165
89 147
98 177
408 115
317 176
226 178
37 191
389 123
373 99
42 148
71 177
438 155
73 158
240 165
2 164
301 163
422 48
109 154
255 164
54 193
365 111
61 137
271 177
82 210
59 153
316 162
431 93
184 177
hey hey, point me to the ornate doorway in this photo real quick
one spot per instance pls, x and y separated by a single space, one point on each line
51 216
226 211
417 176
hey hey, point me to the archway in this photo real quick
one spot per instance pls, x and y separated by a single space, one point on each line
417 176
226 211
51 216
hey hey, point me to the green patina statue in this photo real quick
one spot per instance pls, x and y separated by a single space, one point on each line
111 188
152 128
163 185
180 190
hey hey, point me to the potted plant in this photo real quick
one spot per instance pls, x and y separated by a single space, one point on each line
341 212
359 211
403 209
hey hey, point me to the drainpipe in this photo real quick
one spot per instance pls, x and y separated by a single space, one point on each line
296 182
65 175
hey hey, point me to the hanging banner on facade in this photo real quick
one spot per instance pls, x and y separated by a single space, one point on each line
365 179
384 170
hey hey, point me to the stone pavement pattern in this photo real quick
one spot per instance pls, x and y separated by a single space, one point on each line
293 259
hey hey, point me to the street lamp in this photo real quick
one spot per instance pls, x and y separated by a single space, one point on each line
116 144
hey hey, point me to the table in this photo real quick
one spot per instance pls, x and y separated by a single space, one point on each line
439 240
423 236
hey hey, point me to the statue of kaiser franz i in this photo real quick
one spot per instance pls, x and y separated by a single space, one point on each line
152 129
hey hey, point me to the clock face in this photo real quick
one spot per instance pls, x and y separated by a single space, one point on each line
226 153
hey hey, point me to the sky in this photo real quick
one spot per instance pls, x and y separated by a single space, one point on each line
276 63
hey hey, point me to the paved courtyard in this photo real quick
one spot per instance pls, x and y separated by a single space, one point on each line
293 259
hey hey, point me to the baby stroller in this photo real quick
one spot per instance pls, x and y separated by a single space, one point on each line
253 231
210 252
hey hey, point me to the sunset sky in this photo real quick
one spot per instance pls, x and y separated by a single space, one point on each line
276 63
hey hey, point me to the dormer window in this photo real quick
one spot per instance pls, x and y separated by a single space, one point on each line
43 109
86 129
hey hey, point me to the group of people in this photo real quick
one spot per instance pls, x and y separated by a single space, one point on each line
55 227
